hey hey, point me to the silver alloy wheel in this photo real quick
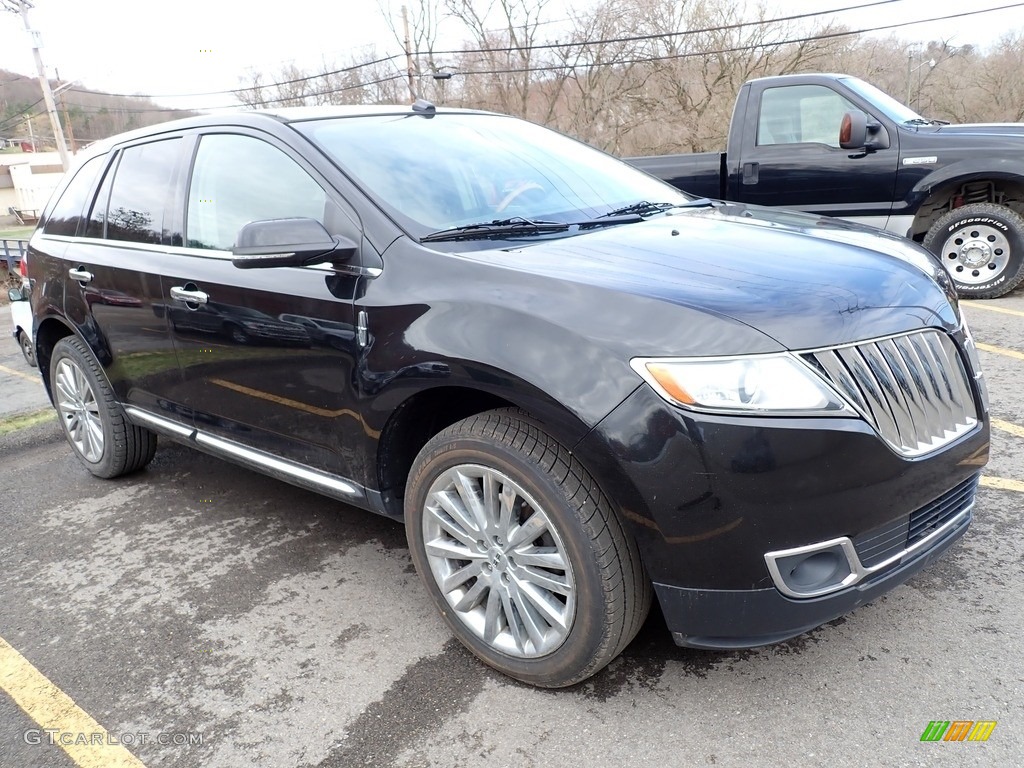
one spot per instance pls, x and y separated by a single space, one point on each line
79 410
976 253
499 561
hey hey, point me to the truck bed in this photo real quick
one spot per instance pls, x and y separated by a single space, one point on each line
700 174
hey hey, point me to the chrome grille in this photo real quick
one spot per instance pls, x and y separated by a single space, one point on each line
913 389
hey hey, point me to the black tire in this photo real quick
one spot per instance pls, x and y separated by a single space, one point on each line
982 247
125 447
27 349
237 334
610 594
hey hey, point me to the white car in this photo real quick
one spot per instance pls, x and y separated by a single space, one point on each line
21 317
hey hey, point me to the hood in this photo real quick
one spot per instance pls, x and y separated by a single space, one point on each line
804 281
983 129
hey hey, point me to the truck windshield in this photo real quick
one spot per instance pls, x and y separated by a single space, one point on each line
894 110
452 169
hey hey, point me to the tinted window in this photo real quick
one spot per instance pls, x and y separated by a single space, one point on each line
140 194
67 213
238 179
801 114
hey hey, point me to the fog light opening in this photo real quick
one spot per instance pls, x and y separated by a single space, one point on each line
813 570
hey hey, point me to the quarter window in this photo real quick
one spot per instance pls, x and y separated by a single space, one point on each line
67 213
801 114
140 197
238 179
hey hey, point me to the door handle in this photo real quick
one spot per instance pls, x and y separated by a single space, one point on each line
80 274
750 173
193 296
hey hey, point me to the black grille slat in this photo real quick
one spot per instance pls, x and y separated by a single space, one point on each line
879 544
883 543
913 389
940 511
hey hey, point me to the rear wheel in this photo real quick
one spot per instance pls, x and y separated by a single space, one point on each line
522 553
982 247
27 349
94 423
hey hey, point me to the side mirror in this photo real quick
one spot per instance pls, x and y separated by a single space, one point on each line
14 294
858 131
288 243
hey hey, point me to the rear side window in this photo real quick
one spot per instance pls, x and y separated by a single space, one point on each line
238 179
141 194
67 213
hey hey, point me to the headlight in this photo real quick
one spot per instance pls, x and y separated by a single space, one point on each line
770 384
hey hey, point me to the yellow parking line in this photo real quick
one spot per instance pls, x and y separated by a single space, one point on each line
991 308
1002 484
21 375
1000 350
1007 426
54 710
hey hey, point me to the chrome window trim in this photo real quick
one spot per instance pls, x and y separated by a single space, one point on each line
204 253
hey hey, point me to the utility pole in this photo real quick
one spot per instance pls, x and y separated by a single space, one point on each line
408 54
22 6
64 108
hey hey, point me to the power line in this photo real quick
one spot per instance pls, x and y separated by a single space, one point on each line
542 47
736 49
592 65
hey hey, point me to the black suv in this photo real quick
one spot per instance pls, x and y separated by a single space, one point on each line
576 385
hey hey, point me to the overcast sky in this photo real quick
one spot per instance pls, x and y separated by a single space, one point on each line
192 46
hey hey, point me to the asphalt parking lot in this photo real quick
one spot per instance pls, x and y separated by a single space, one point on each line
204 615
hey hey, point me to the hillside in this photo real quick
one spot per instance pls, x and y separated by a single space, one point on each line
92 115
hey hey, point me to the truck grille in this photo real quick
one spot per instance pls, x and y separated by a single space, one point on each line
913 388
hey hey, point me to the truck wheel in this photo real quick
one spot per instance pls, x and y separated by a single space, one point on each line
982 247
521 552
94 423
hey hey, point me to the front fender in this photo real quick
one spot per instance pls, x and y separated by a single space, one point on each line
961 172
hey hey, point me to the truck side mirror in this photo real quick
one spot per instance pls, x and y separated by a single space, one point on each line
858 131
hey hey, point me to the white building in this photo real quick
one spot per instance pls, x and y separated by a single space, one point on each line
27 179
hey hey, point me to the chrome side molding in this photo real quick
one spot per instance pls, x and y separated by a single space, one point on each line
283 469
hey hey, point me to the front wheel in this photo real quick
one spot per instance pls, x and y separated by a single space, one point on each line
522 553
94 423
982 247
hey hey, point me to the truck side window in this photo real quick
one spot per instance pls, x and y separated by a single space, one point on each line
801 114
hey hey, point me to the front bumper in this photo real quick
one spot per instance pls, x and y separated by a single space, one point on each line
707 497
718 619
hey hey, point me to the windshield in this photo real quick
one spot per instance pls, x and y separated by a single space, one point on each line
894 110
453 169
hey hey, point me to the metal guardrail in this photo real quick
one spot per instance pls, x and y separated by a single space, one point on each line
11 253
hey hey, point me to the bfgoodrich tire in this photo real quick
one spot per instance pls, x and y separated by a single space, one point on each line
94 422
522 553
982 248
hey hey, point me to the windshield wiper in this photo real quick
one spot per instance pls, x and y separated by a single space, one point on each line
645 208
925 121
497 228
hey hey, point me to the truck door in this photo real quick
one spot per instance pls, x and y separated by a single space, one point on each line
791 157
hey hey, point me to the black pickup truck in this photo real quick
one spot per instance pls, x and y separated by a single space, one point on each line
835 145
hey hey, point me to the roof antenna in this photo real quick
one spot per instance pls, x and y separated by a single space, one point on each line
424 106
